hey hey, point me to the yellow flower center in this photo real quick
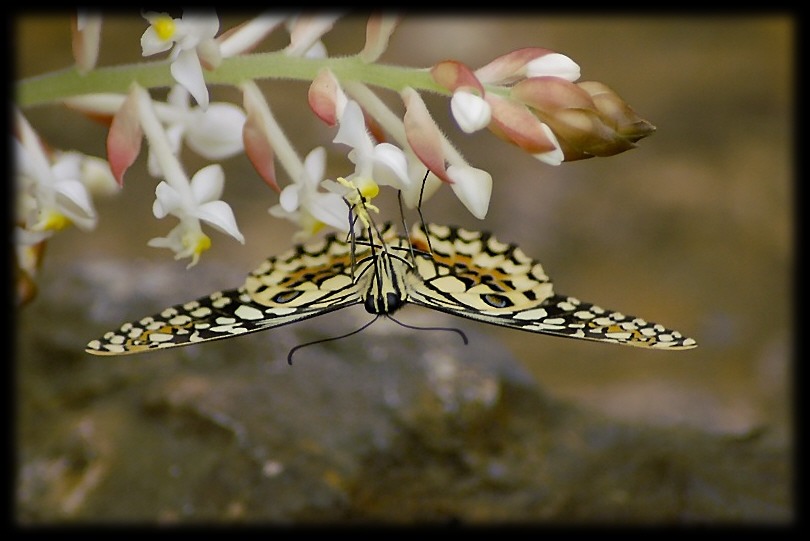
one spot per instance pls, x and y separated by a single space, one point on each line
55 221
198 243
164 27
368 188
203 242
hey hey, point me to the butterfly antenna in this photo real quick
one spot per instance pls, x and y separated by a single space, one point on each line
415 328
405 226
350 236
322 340
419 210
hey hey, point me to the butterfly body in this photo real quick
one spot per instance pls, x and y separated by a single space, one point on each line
453 270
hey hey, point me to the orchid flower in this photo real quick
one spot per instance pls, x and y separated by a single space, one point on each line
375 164
190 201
187 238
54 191
192 44
304 204
214 133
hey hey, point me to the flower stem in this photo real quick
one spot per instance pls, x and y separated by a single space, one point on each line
58 85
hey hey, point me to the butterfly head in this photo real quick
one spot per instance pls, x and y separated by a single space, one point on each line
383 303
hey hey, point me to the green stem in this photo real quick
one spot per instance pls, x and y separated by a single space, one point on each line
56 86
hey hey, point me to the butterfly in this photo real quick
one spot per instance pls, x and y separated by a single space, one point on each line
450 269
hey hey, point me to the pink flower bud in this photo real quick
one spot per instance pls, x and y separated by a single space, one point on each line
255 137
423 134
471 112
583 128
625 120
454 75
378 32
86 31
326 98
514 122
124 138
514 66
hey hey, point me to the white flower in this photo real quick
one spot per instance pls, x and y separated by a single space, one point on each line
200 202
53 192
191 40
214 133
384 164
303 203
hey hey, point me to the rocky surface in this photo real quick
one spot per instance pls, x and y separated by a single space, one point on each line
387 426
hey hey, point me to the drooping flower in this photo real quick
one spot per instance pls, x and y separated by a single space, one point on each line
375 163
303 203
52 190
214 133
468 104
190 201
471 185
200 202
192 44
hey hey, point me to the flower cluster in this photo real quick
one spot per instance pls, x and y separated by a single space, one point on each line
528 97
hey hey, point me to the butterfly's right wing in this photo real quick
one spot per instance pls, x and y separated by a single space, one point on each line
473 275
304 282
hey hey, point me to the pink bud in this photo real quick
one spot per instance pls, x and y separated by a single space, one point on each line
423 134
454 75
515 123
610 105
305 30
510 67
583 127
549 94
378 32
255 137
124 138
86 31
326 98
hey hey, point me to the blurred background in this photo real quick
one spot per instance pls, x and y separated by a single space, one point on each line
693 229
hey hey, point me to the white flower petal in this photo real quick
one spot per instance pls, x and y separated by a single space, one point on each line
74 202
552 157
216 133
471 112
330 209
97 176
315 166
289 198
197 26
390 166
473 187
31 158
219 215
67 165
352 130
207 183
152 44
187 70
553 64
167 200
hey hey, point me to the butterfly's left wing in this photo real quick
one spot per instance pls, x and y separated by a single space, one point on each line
472 275
304 282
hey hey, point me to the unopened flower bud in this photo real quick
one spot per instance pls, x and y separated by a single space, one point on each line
471 112
583 127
